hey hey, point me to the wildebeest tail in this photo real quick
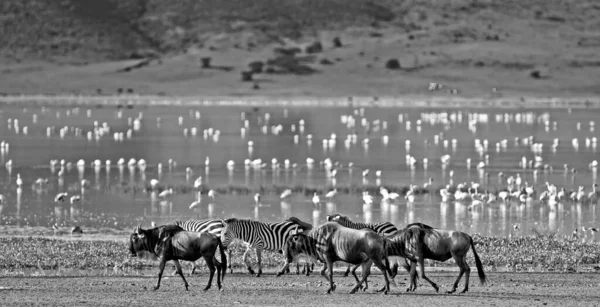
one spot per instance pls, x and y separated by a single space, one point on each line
223 259
478 264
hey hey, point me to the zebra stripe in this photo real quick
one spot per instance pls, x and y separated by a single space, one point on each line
213 226
267 236
383 228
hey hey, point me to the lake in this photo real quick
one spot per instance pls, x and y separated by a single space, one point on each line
200 141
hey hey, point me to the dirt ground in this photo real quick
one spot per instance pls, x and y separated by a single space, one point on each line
503 289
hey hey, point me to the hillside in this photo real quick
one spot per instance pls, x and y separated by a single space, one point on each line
548 47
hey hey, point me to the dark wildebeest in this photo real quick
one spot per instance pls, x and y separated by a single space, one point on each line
417 242
333 242
381 228
171 242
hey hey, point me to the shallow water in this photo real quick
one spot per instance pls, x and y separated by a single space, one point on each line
119 197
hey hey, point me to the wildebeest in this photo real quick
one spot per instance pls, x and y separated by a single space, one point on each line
418 242
171 242
332 242
381 228
213 226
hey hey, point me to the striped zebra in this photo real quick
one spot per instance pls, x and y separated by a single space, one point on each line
212 226
383 229
260 236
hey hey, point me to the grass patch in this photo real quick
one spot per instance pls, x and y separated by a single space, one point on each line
535 253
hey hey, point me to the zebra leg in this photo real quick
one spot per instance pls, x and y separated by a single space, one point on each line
329 263
229 260
259 260
250 270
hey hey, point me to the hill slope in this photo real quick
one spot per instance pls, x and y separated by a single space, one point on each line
519 47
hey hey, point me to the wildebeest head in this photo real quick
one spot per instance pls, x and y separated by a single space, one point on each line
150 240
136 240
298 244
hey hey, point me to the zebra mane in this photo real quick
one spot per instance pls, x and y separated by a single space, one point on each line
231 220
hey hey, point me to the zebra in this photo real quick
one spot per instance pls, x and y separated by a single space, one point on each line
261 236
384 229
212 226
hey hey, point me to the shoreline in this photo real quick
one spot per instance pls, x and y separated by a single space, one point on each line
408 101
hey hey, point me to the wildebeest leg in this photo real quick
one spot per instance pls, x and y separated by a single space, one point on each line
180 272
219 269
382 267
348 270
413 277
422 267
464 268
259 260
323 269
329 263
250 270
358 280
366 271
211 268
161 268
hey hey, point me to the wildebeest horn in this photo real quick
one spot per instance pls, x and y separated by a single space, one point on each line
138 228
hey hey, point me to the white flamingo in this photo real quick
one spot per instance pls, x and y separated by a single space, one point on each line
285 194
61 197
316 200
331 194
166 193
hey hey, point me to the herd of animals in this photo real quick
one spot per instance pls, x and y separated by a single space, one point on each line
339 239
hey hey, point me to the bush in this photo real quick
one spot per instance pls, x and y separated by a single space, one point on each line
392 64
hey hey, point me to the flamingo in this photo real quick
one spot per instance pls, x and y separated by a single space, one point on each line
212 194
166 193
387 195
257 199
153 183
368 199
75 198
19 180
194 205
61 197
198 182
410 195
446 196
331 194
285 194
315 199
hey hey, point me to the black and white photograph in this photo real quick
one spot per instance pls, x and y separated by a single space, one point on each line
299 153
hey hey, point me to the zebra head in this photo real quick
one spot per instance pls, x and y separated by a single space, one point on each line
338 218
229 232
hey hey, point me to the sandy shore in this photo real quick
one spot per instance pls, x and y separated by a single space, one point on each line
502 289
